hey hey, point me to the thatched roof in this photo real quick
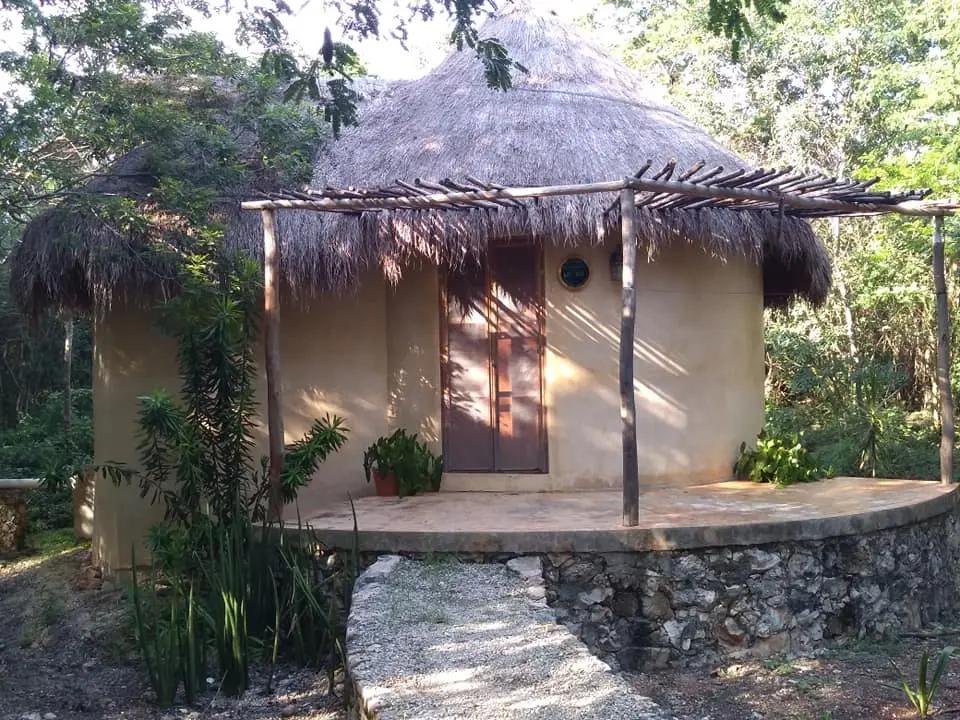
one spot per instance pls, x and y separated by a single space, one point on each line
577 116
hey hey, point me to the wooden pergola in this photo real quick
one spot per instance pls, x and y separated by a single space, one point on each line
783 192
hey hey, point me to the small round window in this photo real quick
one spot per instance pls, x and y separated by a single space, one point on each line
574 273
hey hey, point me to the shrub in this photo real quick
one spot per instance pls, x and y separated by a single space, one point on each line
223 579
777 459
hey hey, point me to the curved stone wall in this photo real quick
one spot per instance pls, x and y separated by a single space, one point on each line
646 610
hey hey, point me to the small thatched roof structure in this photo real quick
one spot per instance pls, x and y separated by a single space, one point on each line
577 116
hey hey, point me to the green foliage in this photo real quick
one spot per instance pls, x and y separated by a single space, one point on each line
223 578
921 697
38 447
168 634
729 18
781 460
410 461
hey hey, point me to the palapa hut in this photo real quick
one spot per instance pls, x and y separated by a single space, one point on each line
493 333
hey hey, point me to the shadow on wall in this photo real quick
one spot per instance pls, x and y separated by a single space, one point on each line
698 372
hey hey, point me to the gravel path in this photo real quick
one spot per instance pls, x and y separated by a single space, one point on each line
451 641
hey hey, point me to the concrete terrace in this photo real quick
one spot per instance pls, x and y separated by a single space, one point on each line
730 513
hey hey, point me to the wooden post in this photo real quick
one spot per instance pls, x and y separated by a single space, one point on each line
947 429
628 407
67 373
271 325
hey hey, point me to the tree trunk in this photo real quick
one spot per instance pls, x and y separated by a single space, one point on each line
628 409
943 356
847 311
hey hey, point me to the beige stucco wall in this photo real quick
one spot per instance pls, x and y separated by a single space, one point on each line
373 357
334 360
698 373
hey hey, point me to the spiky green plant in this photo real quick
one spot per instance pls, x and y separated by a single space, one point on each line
921 697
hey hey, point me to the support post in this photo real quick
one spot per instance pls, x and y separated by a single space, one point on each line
947 428
67 373
271 326
628 408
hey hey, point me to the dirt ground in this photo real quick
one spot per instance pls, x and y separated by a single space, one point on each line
66 653
854 682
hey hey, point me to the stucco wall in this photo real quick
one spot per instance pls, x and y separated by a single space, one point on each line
413 353
698 372
130 359
334 360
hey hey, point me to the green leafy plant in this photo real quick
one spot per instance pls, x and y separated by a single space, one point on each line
410 461
169 635
223 577
921 698
777 459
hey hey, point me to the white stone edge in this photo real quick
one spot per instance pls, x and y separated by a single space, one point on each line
369 699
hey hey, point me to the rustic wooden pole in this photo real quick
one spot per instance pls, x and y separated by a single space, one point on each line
67 373
947 428
628 406
271 325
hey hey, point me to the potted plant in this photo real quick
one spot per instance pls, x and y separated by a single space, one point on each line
400 464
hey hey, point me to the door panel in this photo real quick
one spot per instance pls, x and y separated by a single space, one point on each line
493 381
518 303
468 388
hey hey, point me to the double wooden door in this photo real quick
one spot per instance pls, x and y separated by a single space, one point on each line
493 360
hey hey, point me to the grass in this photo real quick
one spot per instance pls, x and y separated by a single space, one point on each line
52 543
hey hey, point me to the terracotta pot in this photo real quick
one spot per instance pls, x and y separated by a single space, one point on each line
386 486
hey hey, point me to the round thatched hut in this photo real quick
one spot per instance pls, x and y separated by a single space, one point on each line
494 333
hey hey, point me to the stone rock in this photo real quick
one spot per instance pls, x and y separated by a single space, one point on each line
657 607
384 565
689 568
595 596
650 658
50 716
680 634
13 519
773 621
288 711
625 604
701 598
803 565
698 606
761 561
536 592
528 567
581 569
775 645
732 628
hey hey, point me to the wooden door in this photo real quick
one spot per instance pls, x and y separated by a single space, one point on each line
493 399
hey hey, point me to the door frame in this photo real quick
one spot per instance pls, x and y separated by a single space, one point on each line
539 278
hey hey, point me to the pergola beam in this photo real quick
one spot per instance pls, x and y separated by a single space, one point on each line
481 198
